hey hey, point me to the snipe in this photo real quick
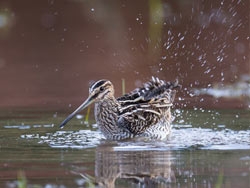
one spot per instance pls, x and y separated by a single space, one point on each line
144 112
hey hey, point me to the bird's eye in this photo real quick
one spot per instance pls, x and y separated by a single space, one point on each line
101 89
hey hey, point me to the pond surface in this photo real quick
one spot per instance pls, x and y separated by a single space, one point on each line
208 148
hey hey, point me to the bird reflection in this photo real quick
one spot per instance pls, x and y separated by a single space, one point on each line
147 168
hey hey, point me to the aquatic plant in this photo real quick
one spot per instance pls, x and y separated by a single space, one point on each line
219 182
86 121
21 179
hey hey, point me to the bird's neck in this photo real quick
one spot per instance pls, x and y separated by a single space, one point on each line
108 102
106 114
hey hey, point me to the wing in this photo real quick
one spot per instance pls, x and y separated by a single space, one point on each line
154 89
138 119
146 106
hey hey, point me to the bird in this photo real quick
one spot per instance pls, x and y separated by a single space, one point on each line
145 112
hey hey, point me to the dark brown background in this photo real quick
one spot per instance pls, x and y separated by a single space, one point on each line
51 49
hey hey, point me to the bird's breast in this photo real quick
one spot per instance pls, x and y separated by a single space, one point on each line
106 114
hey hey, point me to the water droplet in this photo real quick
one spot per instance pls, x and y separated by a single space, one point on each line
236 38
207 71
79 116
55 115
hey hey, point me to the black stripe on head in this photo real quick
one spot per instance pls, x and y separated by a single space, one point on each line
97 84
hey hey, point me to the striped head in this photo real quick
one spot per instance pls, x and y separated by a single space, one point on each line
100 90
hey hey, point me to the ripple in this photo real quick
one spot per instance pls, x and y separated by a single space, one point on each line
199 138
184 138
22 126
71 139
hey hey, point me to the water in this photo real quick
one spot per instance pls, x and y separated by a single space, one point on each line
208 148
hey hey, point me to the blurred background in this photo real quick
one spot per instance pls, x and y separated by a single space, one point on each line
51 49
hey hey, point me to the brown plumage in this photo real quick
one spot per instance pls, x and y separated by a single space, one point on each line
144 112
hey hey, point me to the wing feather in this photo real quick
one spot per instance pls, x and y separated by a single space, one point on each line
146 106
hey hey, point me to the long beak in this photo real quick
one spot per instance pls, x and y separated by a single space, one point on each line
86 103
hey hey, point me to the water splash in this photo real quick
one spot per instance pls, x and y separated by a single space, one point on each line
22 126
68 139
183 137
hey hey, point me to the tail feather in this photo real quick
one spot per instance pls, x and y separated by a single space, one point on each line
155 88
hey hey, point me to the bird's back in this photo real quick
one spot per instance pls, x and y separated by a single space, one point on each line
148 107
152 90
